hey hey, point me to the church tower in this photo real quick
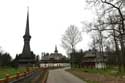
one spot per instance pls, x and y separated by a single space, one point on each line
26 49
56 51
27 57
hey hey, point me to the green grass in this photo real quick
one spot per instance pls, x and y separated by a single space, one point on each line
107 71
10 71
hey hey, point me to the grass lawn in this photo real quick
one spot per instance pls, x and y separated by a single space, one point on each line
10 71
107 71
92 75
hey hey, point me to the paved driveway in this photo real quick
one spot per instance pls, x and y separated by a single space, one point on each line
61 76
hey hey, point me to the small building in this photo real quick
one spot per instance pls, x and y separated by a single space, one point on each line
93 58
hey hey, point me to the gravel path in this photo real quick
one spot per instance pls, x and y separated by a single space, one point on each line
61 76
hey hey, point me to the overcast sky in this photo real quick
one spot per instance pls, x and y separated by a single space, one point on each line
48 21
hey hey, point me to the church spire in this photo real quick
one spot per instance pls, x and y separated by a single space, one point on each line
27 24
26 58
27 37
56 51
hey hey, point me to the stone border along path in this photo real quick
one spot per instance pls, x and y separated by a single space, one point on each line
61 76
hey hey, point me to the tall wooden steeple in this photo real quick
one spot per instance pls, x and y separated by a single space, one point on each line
26 49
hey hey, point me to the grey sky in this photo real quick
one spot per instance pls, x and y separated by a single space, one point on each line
48 21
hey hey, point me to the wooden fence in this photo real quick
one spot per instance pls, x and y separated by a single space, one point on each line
8 78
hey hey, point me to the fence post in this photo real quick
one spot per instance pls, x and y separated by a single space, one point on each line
7 78
17 75
24 73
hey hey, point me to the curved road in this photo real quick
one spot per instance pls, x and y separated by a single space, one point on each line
61 76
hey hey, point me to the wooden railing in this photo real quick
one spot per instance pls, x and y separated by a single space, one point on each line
8 78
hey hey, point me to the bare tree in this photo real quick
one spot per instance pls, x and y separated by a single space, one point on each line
113 19
93 44
71 37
